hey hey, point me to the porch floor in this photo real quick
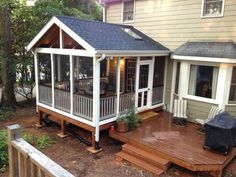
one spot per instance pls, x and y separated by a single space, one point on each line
181 146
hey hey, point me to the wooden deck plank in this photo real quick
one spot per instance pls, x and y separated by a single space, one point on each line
182 146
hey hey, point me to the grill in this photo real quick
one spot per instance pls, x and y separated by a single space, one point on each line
221 132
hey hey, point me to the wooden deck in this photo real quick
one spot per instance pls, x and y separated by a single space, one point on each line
181 146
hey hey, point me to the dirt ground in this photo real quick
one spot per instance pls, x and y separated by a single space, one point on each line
71 154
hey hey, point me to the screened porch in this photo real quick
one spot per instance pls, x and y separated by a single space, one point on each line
66 83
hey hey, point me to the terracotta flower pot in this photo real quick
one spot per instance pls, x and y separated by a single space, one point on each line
122 127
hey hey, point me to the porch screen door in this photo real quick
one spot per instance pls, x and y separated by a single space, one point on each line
143 92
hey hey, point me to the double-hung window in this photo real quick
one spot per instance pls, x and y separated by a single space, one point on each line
232 93
213 8
128 10
203 81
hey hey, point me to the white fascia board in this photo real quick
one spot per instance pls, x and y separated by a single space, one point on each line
133 52
41 33
74 52
66 29
205 59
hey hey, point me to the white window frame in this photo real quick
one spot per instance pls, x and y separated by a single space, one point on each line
122 16
198 98
214 15
234 104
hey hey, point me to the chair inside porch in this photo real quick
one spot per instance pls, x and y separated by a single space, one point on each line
180 146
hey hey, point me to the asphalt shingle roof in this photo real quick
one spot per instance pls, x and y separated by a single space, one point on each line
107 36
207 49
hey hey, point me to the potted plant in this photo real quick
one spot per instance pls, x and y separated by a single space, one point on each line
130 120
122 124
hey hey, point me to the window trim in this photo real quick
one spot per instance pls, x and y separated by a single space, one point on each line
230 83
212 16
199 98
122 15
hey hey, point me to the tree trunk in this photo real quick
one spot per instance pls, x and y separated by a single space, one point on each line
8 66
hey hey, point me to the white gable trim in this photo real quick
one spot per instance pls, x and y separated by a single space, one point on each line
66 29
204 59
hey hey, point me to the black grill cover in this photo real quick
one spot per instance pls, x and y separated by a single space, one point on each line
221 131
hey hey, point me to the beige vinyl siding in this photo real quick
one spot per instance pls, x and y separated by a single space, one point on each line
197 109
231 109
173 22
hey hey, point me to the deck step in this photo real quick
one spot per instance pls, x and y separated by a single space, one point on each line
149 115
146 156
138 162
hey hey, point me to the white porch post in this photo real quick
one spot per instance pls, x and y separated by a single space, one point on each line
118 87
151 81
96 98
53 82
71 84
137 82
183 78
59 67
223 84
36 77
173 85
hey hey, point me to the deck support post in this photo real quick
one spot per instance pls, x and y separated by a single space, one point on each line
62 134
40 119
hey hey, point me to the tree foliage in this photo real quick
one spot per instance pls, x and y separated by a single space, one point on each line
26 21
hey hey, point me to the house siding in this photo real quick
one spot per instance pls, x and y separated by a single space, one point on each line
231 109
197 109
173 22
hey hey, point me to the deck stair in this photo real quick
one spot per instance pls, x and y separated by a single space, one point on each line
148 115
143 159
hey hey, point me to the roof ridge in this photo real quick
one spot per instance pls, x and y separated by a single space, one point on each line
90 20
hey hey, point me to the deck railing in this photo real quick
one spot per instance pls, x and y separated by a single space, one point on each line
45 94
108 107
83 106
25 160
62 100
157 95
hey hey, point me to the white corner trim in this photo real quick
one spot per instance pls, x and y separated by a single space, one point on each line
205 59
62 26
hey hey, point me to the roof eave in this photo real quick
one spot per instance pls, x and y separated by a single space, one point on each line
133 52
204 59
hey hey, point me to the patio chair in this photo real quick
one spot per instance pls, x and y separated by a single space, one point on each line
213 112
180 113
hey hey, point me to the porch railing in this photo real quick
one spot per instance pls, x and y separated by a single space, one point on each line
108 107
45 95
25 160
126 101
157 95
83 106
62 100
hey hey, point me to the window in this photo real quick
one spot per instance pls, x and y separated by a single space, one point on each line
177 78
132 33
203 81
232 93
128 10
212 8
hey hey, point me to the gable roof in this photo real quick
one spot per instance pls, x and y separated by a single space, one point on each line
207 49
103 36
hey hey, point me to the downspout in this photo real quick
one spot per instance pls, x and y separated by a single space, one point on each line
103 10
97 118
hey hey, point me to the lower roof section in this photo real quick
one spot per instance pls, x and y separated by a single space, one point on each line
224 52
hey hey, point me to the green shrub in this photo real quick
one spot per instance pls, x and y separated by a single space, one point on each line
3 150
44 141
29 138
5 112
